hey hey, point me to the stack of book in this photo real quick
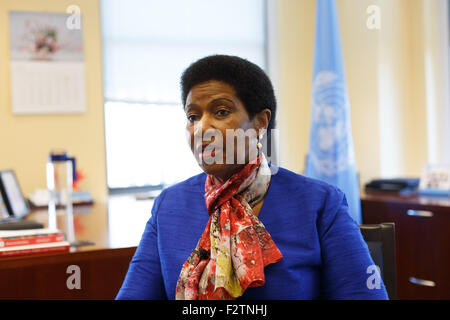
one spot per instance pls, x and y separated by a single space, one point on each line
31 241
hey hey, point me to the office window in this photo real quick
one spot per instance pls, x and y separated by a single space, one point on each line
146 46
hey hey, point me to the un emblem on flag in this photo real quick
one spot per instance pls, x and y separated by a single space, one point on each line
331 140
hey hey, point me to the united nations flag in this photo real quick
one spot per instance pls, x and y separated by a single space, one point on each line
331 156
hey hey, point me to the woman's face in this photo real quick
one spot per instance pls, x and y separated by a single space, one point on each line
213 112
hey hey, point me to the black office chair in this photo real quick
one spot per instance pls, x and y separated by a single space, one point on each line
380 239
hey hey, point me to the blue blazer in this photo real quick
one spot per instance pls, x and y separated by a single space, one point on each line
324 254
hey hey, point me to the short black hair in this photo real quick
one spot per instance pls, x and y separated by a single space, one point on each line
252 85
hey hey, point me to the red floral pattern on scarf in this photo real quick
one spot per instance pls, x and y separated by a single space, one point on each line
235 246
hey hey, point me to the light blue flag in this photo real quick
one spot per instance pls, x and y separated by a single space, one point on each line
331 156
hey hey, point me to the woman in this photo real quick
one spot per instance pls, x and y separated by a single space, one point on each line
236 231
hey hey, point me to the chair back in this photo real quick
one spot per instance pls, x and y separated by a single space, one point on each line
380 239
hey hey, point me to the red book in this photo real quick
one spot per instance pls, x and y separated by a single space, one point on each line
35 248
38 239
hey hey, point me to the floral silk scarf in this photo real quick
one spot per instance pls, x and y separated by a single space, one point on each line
235 246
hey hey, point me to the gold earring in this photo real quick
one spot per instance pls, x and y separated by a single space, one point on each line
259 145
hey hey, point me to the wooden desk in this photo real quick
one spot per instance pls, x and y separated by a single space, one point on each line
115 227
422 225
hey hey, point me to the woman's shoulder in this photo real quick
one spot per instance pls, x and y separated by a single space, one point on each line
286 184
182 194
194 183
299 183
310 194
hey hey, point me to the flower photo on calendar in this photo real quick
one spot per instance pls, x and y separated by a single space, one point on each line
47 64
